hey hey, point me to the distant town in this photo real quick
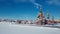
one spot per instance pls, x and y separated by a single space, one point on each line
40 20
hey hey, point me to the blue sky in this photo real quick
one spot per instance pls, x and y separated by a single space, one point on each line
28 9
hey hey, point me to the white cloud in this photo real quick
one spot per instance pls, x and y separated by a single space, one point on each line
37 5
33 1
23 1
17 1
55 2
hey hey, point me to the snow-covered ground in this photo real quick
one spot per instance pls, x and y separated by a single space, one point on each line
8 28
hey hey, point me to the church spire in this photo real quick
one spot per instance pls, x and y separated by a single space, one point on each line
41 9
53 20
41 13
52 17
48 16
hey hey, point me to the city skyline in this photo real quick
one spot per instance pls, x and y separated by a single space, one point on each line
28 9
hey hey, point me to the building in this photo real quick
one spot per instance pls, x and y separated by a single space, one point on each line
41 20
53 20
48 18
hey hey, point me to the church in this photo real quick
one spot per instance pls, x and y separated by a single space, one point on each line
41 20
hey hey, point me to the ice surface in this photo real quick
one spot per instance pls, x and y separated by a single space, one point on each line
8 28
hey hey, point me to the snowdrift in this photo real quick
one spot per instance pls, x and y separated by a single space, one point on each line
7 28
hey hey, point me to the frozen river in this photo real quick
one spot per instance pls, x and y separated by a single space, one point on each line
7 28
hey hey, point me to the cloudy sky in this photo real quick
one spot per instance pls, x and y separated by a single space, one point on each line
28 9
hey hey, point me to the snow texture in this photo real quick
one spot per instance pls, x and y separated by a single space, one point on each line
8 28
